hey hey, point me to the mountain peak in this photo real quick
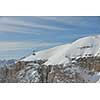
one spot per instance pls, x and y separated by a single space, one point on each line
82 47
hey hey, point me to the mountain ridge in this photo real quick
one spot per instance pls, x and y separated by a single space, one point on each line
83 47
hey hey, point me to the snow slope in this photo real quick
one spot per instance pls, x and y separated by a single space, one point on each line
54 55
87 46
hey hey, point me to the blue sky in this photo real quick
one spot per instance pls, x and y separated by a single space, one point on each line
20 35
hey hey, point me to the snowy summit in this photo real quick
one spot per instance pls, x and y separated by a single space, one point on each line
83 47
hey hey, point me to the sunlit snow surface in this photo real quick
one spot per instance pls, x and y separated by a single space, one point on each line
61 54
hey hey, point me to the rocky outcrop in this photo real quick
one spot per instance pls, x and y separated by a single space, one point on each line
37 72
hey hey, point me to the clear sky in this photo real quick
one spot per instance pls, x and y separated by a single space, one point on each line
19 36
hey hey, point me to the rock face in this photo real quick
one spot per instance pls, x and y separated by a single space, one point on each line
8 73
29 72
77 71
64 75
36 72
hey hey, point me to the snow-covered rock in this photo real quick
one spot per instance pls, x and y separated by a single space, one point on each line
84 47
69 56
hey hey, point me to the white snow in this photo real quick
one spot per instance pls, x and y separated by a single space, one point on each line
54 55
82 47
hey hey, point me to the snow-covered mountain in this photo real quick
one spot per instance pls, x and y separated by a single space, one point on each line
7 62
76 62
83 47
84 68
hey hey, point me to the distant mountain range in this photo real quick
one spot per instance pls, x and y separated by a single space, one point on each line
7 62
